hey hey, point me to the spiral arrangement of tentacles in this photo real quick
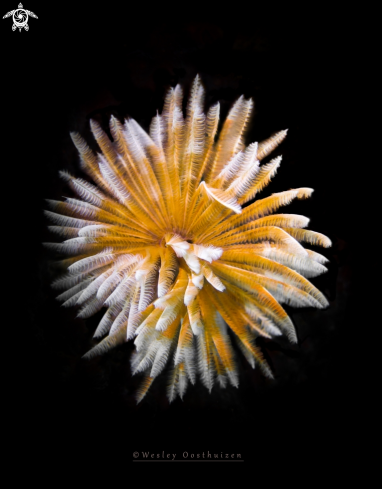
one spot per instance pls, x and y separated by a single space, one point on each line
163 240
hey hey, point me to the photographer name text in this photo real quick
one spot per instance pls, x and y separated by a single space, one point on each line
164 456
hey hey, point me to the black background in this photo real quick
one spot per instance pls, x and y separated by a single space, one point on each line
75 64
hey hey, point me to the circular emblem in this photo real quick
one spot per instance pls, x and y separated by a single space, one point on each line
20 18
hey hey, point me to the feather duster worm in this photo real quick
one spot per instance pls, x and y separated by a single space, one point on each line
163 240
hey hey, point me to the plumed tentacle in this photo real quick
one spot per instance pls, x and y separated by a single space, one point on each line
89 163
267 146
106 322
272 269
278 220
107 344
230 139
310 237
103 141
261 180
194 315
304 265
266 233
143 388
212 121
193 145
168 270
260 296
218 200
225 362
185 340
66 221
258 209
245 178
137 140
173 383
238 326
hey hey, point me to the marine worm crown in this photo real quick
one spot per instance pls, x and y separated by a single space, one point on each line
163 240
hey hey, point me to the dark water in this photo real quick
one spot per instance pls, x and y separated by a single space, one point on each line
98 63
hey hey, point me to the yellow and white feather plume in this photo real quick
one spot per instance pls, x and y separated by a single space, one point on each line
163 240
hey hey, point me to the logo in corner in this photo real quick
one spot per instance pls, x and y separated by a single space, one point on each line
20 17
